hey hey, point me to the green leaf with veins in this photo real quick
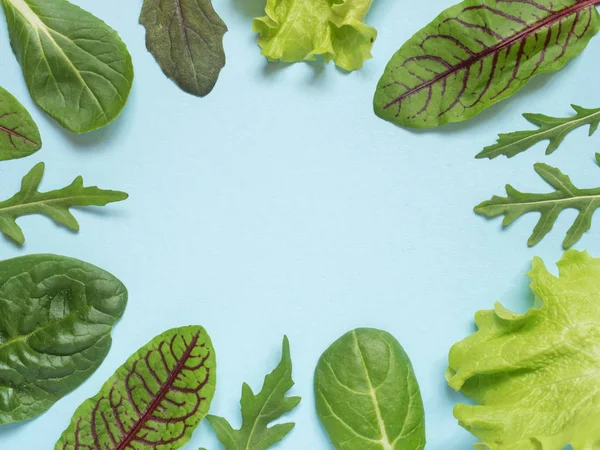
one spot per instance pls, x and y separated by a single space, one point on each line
54 204
534 376
186 38
19 135
259 410
367 395
553 129
57 316
76 67
154 401
566 196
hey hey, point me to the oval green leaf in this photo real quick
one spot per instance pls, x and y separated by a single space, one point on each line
367 395
154 401
477 53
76 67
19 135
57 315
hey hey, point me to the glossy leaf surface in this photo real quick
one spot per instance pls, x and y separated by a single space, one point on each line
186 38
367 394
76 67
57 315
54 204
19 135
154 401
479 52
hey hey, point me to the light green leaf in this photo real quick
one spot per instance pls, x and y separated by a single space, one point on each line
76 67
367 394
259 410
154 401
566 196
478 53
186 38
534 376
54 204
553 129
19 135
299 30
56 317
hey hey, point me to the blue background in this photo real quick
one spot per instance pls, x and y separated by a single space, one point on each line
280 204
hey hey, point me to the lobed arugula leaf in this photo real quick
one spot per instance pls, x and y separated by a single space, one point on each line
19 135
299 30
477 53
258 411
553 129
57 316
54 204
186 38
76 67
367 395
534 376
566 196
154 401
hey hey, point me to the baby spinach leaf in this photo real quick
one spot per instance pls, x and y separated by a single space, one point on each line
258 411
19 135
553 129
479 52
57 315
154 401
186 38
54 204
367 394
76 67
566 196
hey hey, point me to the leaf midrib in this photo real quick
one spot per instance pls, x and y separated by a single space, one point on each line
3 210
589 198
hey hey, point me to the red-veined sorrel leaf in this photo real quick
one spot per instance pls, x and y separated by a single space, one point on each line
478 53
154 401
19 135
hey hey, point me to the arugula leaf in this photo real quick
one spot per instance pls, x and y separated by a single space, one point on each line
477 53
566 196
186 38
57 316
258 411
54 204
299 30
19 135
367 394
154 401
553 129
76 67
534 376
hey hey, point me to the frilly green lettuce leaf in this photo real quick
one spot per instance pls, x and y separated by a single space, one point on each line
536 376
299 30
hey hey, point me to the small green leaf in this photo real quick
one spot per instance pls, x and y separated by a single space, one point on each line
553 129
367 395
258 411
186 38
76 67
565 196
19 135
153 401
55 325
54 204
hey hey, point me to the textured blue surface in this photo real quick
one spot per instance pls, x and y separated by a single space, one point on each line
281 204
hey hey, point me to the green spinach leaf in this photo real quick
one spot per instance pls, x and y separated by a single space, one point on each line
19 135
367 394
76 67
57 315
54 204
479 52
186 38
259 410
154 401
